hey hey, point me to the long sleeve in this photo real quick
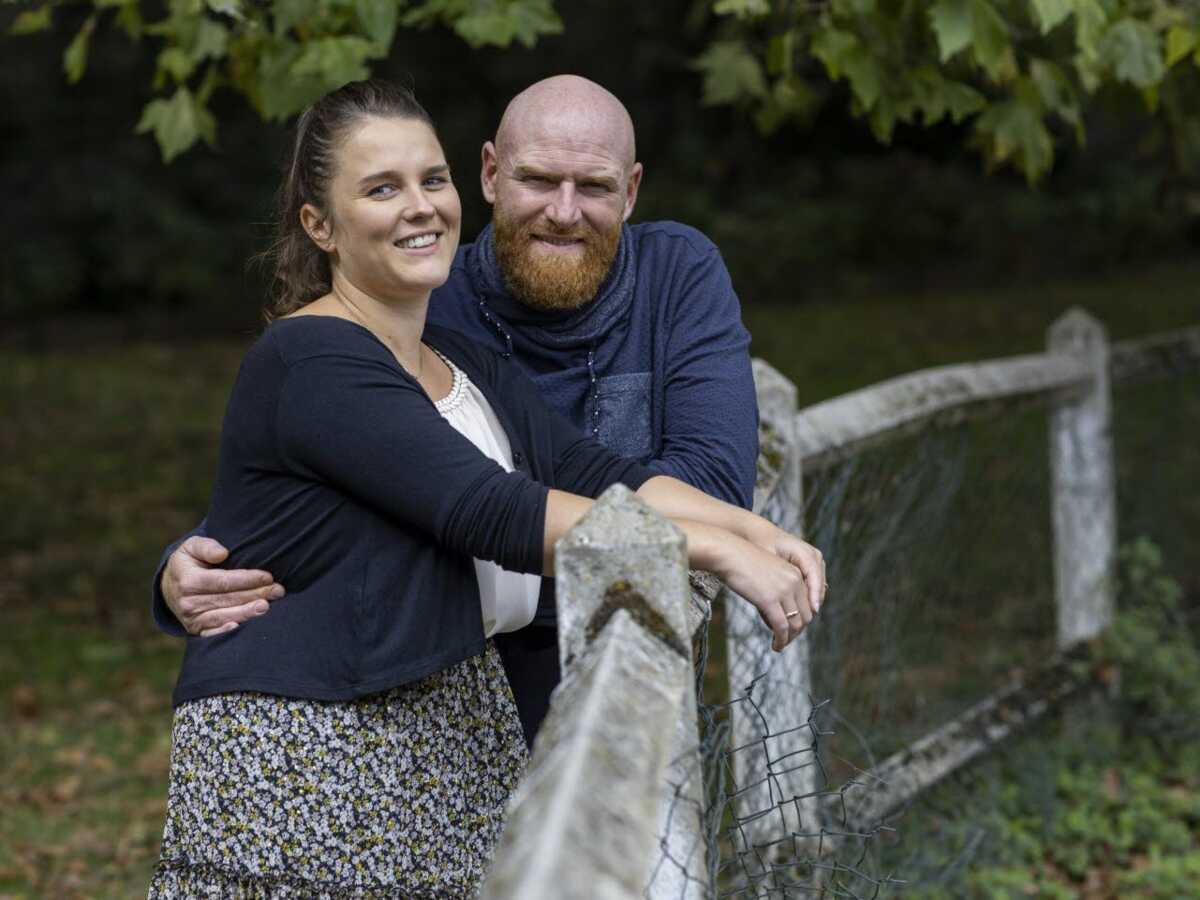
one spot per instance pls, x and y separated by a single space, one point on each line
361 426
710 414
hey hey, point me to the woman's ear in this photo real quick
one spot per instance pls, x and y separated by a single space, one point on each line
317 225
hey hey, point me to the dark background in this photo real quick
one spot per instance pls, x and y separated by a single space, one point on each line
96 224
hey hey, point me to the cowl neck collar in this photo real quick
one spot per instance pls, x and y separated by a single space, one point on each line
561 330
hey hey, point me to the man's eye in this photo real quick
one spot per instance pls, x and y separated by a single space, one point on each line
535 179
436 181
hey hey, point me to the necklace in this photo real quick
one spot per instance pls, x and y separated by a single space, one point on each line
362 320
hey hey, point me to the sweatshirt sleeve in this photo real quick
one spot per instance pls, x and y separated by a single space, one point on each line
361 426
710 413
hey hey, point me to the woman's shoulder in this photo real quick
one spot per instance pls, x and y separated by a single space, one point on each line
299 338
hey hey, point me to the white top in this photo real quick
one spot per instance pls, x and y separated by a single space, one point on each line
509 599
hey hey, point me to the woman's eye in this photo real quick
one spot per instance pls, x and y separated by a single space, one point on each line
381 190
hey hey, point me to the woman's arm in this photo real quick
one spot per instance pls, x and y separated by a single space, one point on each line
781 575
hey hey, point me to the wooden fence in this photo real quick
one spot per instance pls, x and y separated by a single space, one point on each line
610 806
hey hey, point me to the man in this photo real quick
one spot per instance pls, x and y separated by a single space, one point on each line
633 332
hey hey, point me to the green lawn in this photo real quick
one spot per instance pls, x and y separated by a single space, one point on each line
108 452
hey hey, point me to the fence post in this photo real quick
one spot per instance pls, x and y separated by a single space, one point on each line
773 743
584 821
1083 486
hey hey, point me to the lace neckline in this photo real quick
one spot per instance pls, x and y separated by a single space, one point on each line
458 388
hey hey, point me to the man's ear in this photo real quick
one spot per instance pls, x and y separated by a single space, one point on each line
631 190
487 172
318 226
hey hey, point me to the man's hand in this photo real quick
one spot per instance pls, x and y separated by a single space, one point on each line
209 600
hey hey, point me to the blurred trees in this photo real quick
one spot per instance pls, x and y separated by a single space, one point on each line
1022 72
95 223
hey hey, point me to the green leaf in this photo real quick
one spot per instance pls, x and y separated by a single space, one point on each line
1090 19
951 21
290 13
1091 73
129 17
845 56
501 22
963 100
865 76
1133 51
211 40
1180 42
883 121
1013 131
280 92
1051 13
743 9
833 47
781 52
846 9
32 20
335 60
378 19
176 63
731 73
790 98
231 8
1054 89
76 54
1057 93
177 123
989 40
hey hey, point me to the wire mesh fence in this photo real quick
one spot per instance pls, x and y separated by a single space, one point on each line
940 557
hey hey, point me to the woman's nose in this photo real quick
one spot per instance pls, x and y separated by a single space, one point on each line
419 205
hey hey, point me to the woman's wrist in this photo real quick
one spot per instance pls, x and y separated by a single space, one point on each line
708 546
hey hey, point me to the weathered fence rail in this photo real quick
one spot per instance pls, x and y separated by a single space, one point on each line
613 787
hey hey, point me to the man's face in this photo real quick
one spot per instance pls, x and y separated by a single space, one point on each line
559 202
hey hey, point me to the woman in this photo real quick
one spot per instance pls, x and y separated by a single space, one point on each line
362 740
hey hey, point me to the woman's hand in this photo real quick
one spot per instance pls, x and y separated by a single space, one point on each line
784 581
801 554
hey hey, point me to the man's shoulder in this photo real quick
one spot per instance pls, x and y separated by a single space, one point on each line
668 236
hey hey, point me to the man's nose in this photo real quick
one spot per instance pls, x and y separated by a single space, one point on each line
563 208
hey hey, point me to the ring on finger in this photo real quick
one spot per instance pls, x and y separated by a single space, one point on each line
794 612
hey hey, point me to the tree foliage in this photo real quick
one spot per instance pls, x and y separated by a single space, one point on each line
1019 75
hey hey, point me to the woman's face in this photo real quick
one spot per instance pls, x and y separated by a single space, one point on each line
394 216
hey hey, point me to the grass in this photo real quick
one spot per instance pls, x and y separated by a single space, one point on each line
108 452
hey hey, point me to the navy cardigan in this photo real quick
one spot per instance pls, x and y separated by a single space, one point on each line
337 474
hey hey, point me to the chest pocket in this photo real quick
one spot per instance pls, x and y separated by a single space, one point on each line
623 413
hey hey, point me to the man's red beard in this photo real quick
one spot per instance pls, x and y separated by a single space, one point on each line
549 281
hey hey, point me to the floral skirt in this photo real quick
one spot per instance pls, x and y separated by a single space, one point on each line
397 794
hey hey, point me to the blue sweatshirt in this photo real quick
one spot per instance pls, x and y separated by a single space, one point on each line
657 366
337 473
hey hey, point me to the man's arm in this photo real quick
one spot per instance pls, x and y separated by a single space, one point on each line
192 595
710 413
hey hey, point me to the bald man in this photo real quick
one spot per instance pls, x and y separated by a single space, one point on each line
631 331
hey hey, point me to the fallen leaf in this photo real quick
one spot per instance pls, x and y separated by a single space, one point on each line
24 700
